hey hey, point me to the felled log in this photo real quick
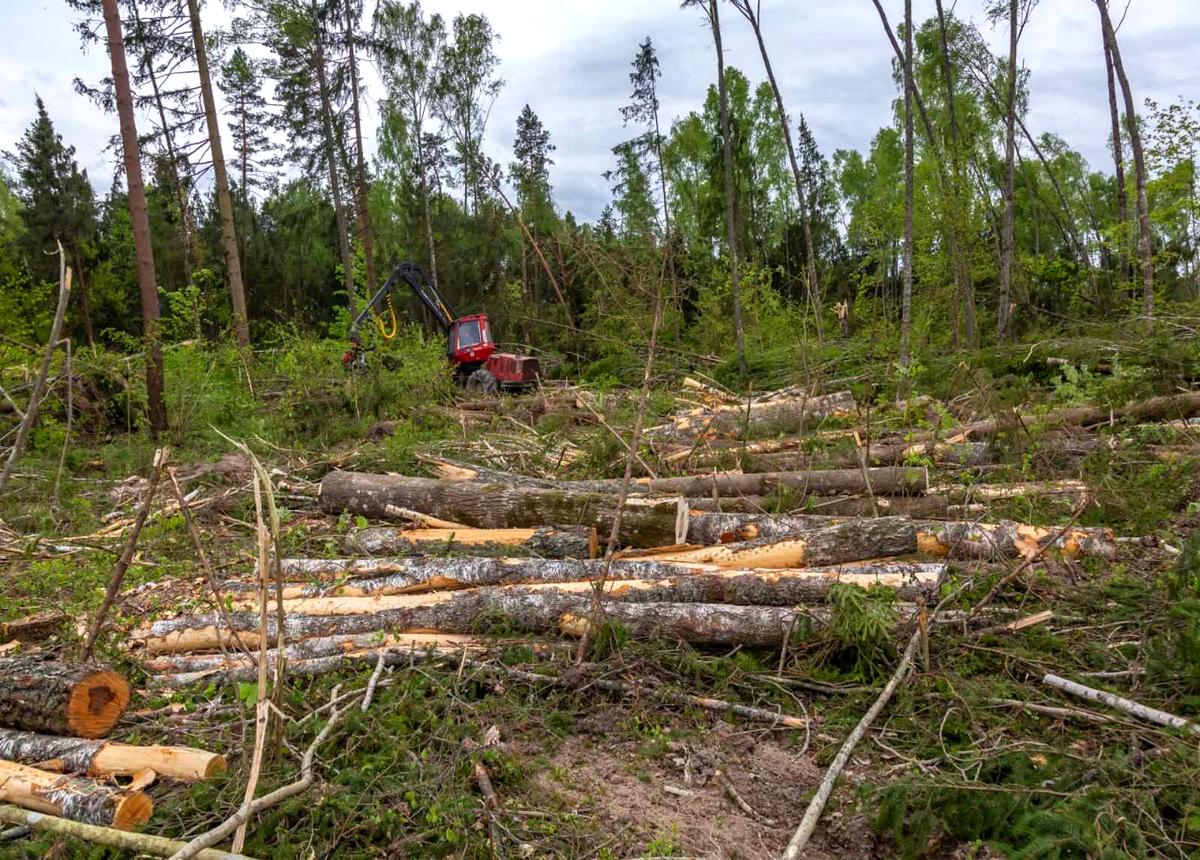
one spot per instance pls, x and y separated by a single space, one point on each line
850 541
69 797
645 522
1008 539
658 582
33 628
107 758
942 538
46 695
310 649
528 609
841 506
135 844
791 414
999 492
545 542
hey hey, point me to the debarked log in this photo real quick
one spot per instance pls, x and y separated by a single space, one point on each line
38 693
854 540
645 522
544 542
82 800
106 758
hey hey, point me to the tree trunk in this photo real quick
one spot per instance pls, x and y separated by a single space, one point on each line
364 189
77 799
139 219
907 286
229 240
646 522
40 694
335 188
856 540
1007 240
1139 165
544 542
714 20
1118 145
107 758
898 481
425 194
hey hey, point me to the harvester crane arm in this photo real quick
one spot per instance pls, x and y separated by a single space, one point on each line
412 275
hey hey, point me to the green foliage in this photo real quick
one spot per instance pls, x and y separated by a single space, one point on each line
860 630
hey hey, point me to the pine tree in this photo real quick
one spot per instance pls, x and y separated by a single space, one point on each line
58 204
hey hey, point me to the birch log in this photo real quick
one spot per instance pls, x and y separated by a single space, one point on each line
785 415
41 694
544 542
107 758
1120 703
646 522
841 506
68 797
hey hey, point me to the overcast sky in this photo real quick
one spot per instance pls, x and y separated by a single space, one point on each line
569 59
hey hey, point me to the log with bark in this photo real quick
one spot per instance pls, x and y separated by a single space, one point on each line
1008 539
107 758
33 628
784 414
835 544
963 493
313 649
545 542
38 693
82 800
646 522
843 506
944 538
643 581
667 608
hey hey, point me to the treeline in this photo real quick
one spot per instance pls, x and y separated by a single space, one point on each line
960 225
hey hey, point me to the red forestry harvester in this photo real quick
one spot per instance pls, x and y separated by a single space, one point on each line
470 348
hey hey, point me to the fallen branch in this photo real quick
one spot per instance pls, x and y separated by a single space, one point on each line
134 843
1120 703
251 808
118 572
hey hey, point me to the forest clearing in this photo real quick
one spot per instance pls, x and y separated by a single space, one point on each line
359 499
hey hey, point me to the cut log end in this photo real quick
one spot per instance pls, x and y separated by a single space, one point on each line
96 703
132 810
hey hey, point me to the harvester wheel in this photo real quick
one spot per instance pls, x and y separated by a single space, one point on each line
482 382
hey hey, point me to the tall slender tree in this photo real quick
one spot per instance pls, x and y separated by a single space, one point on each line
531 172
139 218
643 108
229 241
713 16
752 15
1118 151
361 184
408 51
906 287
467 89
249 121
1139 165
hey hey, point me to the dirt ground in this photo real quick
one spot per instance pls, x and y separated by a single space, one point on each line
674 793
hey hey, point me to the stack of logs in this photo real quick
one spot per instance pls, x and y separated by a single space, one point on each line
716 578
54 759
